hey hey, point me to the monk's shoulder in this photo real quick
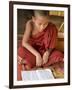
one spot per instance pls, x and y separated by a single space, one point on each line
52 24
53 27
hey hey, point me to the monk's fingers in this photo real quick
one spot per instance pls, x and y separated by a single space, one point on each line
23 67
45 60
27 67
38 64
21 60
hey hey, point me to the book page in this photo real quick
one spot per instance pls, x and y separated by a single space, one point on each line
45 74
29 75
42 74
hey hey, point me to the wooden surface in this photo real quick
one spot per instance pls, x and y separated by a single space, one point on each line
60 44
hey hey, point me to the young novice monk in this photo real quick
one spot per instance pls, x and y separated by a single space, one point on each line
38 43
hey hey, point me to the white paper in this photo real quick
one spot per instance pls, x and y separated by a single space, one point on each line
42 74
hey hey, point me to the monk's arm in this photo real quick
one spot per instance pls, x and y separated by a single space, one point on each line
26 37
30 48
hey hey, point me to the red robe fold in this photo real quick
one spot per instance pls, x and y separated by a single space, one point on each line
41 42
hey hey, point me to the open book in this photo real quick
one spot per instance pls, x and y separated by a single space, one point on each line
42 74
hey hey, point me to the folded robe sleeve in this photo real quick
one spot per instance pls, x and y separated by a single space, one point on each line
50 37
53 40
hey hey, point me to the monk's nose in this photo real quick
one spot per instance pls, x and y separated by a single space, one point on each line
42 27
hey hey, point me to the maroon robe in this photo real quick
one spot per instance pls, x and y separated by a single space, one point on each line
41 42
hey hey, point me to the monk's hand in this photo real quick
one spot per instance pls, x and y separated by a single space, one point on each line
38 60
45 57
21 60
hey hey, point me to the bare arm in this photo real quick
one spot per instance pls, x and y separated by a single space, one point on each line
26 37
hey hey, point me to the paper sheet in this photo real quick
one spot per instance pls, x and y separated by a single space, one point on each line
42 74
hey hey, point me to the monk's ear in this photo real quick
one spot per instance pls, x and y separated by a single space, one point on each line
33 18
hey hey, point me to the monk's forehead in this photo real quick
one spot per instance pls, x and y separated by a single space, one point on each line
40 13
41 19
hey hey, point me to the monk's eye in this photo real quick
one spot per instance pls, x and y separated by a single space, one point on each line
40 24
45 24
